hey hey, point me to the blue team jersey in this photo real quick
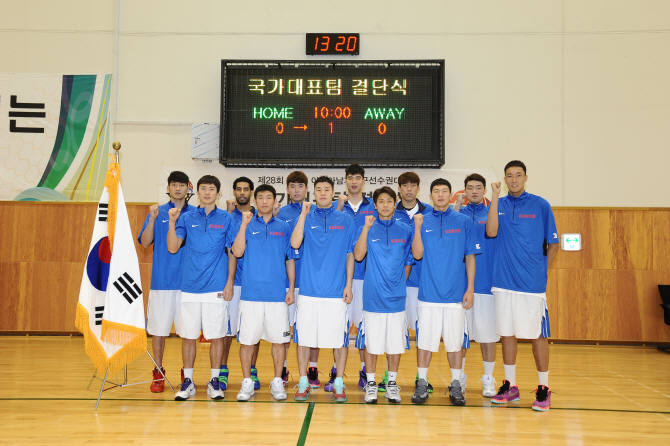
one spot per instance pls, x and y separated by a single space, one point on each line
366 208
402 215
166 269
290 214
479 215
206 237
237 215
328 237
268 248
389 250
447 238
526 225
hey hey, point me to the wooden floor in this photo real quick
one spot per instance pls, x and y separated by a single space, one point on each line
601 395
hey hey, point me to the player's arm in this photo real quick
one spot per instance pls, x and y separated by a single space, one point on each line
470 267
552 250
299 230
417 243
290 272
228 290
148 234
173 241
492 219
351 263
240 244
341 200
459 202
408 271
230 205
361 248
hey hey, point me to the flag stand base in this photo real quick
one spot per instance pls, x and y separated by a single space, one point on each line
125 380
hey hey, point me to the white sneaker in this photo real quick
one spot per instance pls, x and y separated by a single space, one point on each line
186 390
214 389
463 379
277 389
247 390
488 386
392 392
371 392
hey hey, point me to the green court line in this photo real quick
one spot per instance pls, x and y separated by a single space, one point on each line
305 425
311 404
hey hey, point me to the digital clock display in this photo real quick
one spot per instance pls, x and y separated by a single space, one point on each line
332 44
332 114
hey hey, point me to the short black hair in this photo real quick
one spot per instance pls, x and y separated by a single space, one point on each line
515 163
265 188
354 169
474 177
440 182
243 180
384 190
324 179
210 179
178 177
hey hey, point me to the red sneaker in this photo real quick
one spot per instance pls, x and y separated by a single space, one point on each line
158 382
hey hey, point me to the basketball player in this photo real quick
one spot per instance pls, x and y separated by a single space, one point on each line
205 234
447 242
481 317
296 190
165 295
358 207
327 272
387 244
265 243
527 245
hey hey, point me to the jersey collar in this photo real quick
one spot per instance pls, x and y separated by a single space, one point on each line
440 213
385 223
422 207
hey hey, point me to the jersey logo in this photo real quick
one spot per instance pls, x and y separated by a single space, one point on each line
315 226
276 233
429 230
526 215
397 240
289 220
254 233
216 226
501 213
478 247
165 221
375 240
335 227
398 219
193 226
451 231
555 235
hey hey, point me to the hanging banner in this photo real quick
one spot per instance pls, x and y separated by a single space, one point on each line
54 136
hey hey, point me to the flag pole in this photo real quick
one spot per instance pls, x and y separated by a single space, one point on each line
102 388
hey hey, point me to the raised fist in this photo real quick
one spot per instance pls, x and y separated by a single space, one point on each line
246 217
174 214
153 211
369 220
495 188
460 198
230 205
305 207
418 219
341 199
275 208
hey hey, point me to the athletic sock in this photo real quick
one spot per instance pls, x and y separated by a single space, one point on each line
278 381
370 377
362 365
335 365
456 374
510 374
312 364
284 362
214 373
423 373
393 376
246 381
188 373
463 365
224 366
488 368
543 377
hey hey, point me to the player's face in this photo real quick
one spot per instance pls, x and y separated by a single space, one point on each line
177 190
242 193
475 192
385 206
297 192
355 184
265 202
207 194
409 191
515 180
323 194
441 196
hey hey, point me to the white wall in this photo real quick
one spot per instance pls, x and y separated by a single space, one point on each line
578 89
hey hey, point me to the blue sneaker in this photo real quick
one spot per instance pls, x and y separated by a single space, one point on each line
329 385
223 378
254 378
362 379
186 390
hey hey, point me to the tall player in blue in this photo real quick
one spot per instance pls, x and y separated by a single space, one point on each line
165 295
356 205
527 245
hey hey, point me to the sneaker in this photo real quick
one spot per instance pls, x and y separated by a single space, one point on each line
340 391
371 392
186 390
329 385
463 379
277 389
455 393
362 379
430 386
284 376
542 399
313 377
214 389
488 386
247 390
392 392
382 384
304 389
506 394
223 378
420 392
158 383
254 378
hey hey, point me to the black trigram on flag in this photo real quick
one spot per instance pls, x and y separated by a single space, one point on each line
98 314
102 211
127 287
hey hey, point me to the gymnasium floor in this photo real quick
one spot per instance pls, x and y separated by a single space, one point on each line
601 395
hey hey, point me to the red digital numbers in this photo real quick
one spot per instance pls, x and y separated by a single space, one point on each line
337 112
342 44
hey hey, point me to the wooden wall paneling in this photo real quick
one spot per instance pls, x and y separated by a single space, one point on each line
11 295
602 255
661 240
137 214
625 301
67 236
631 239
554 303
23 234
571 221
8 215
654 328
